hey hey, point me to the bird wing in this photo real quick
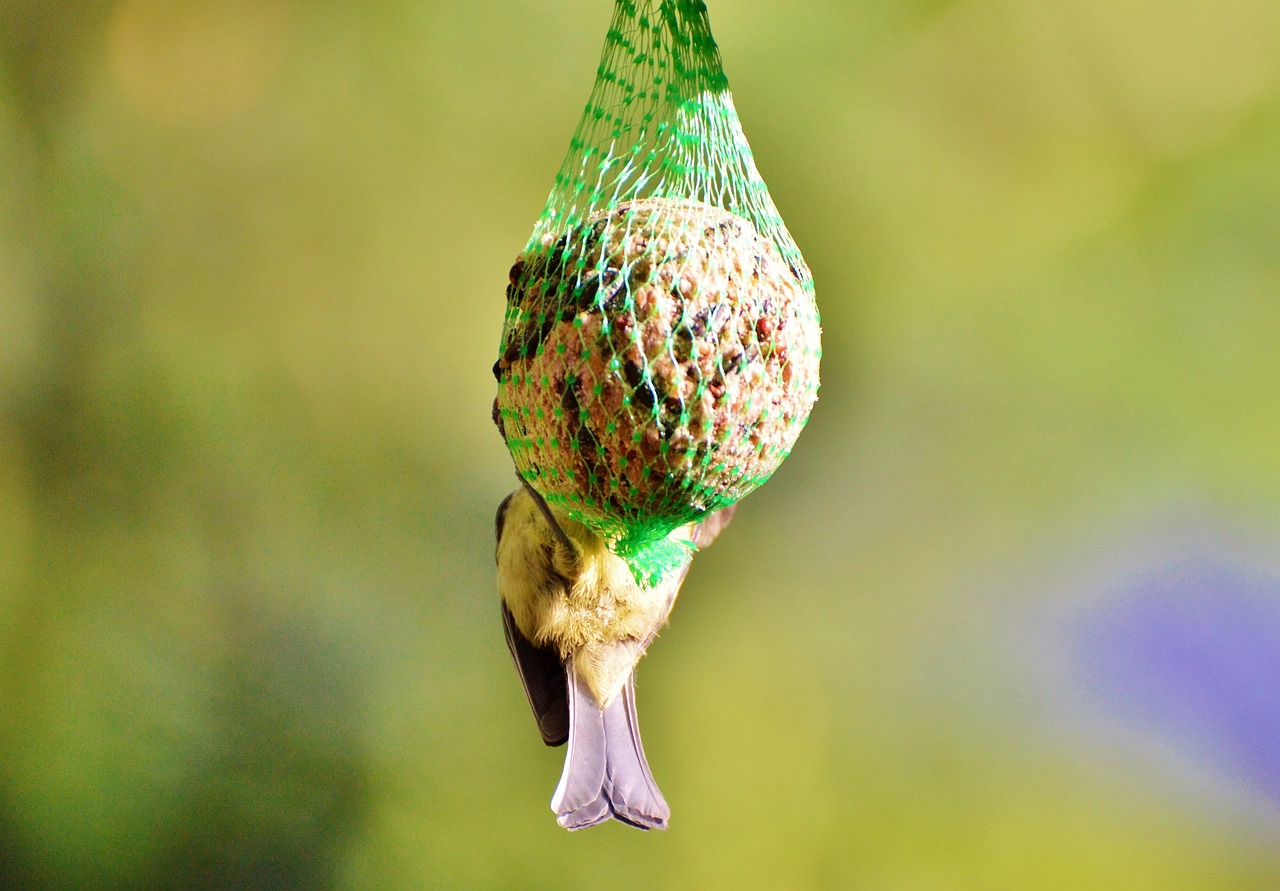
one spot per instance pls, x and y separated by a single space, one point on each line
703 534
543 677
706 531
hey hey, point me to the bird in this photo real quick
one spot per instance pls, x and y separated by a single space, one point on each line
577 622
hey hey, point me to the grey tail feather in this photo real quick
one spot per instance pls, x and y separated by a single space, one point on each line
633 795
579 800
606 774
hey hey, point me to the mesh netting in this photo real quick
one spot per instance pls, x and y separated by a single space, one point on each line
661 342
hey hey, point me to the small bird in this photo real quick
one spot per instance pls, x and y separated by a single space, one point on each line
577 622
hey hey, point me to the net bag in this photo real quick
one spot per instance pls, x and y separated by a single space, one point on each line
661 342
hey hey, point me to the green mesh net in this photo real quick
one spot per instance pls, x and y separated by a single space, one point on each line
661 343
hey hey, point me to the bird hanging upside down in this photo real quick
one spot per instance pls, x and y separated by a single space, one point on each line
577 622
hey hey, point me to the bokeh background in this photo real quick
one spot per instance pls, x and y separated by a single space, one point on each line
1007 619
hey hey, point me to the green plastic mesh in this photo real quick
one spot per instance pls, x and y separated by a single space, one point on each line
661 343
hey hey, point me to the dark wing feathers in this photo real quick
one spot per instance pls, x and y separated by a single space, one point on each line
543 678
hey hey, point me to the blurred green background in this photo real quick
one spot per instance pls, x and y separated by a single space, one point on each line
252 263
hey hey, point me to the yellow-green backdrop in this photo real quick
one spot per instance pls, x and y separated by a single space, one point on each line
252 264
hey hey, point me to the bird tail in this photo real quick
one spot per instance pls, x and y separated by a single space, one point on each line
605 772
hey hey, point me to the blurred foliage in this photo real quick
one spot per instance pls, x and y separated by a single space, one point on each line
252 260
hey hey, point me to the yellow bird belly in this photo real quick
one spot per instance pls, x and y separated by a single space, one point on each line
586 604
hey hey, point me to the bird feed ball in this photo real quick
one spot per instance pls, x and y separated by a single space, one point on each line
658 362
